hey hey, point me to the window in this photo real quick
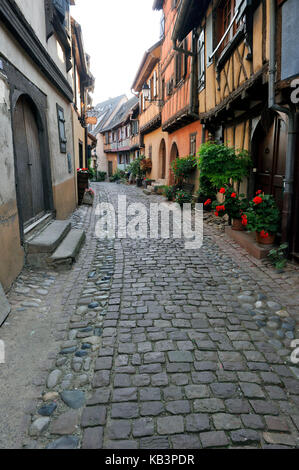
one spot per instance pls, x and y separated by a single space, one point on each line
155 84
181 63
61 129
201 60
193 144
162 27
224 17
106 138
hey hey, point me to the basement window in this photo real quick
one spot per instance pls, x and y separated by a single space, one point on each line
61 129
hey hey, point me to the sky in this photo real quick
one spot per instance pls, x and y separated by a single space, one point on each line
116 34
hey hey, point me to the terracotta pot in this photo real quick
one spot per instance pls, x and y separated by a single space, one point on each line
237 225
265 241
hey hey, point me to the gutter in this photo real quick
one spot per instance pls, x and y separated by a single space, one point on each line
291 147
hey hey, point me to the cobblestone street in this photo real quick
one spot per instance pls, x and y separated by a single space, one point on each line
144 344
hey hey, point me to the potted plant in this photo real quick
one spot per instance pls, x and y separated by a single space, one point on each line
234 206
183 167
263 217
169 192
183 197
136 170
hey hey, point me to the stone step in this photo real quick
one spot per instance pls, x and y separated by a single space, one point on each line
48 240
67 252
4 307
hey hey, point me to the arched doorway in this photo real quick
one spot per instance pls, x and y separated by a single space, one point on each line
28 163
174 153
162 159
269 147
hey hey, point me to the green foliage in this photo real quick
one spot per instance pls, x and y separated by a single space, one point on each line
222 164
101 176
169 192
135 167
206 189
118 175
235 204
183 197
277 256
263 214
183 167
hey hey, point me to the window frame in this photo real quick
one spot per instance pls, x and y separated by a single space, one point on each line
61 122
201 66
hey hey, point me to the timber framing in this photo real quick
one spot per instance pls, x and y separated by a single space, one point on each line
229 103
22 32
181 119
150 126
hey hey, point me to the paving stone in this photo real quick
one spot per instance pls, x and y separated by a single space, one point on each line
213 439
119 429
151 408
245 436
276 424
103 363
208 405
180 356
178 407
197 391
224 390
150 394
279 438
253 421
170 425
65 424
124 410
73 398
64 443
101 379
143 427
93 416
197 422
99 396
124 394
225 421
154 442
183 441
251 390
39 426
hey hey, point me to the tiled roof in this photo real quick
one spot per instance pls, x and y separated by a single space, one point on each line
122 114
103 112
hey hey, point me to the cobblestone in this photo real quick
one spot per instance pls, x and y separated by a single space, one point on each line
171 357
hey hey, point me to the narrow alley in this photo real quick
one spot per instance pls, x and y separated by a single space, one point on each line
144 344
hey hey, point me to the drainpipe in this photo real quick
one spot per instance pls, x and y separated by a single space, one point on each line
291 146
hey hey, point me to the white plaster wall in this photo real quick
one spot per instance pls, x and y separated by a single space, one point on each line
34 12
12 51
7 171
102 158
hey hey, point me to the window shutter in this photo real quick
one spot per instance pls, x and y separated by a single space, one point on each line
155 84
61 129
201 60
209 39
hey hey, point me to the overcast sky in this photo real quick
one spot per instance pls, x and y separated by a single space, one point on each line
116 34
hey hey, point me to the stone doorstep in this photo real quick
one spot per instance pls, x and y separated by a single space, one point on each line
247 241
69 248
48 240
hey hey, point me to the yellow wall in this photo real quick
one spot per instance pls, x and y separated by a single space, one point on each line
64 198
154 139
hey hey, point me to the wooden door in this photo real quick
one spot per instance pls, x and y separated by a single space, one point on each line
110 168
29 178
271 159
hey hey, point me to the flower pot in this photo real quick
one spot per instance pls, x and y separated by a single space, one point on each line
139 182
265 241
237 225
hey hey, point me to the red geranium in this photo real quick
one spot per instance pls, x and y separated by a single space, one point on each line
234 195
220 208
244 220
264 234
208 202
257 200
222 191
216 213
259 192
